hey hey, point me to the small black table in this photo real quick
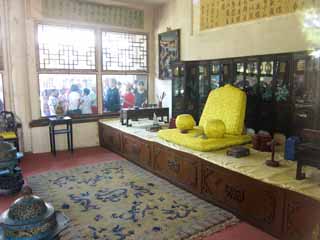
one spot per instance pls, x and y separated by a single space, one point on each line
134 114
53 121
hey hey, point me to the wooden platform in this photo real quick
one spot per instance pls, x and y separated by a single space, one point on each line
283 213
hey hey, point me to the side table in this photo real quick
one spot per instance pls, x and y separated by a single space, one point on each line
53 122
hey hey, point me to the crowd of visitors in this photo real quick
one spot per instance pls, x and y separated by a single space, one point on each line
71 101
134 95
77 100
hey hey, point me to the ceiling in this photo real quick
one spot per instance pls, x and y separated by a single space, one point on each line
151 2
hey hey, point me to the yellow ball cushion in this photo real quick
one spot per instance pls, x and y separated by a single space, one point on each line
185 122
214 128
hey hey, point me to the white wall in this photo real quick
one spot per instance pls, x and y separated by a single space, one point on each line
19 18
265 36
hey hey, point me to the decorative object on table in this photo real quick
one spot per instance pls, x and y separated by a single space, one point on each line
160 99
260 141
169 52
8 128
59 109
172 123
281 142
128 114
272 162
238 151
214 128
155 125
53 122
119 200
11 179
30 218
308 151
290 148
185 122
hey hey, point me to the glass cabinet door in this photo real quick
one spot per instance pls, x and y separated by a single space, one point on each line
204 86
178 82
239 75
250 85
266 80
226 74
282 80
178 89
215 76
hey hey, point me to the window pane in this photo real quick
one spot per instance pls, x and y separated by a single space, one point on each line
124 91
1 94
124 51
66 48
67 94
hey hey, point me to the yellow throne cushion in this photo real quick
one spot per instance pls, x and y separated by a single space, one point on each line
228 104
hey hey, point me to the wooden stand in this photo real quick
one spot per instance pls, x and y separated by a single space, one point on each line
272 162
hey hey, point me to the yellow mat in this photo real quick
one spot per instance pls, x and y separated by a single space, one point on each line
8 135
195 140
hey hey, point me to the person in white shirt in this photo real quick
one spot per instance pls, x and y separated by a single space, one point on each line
53 102
86 102
74 100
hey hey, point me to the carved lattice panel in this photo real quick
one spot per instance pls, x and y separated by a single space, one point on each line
66 48
124 51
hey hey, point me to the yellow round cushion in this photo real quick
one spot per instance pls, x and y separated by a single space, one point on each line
214 128
185 122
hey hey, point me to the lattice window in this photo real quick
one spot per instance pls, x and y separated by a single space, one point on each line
66 48
124 51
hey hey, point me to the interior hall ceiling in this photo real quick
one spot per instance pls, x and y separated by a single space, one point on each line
151 2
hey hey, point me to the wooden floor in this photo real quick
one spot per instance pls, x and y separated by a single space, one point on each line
36 163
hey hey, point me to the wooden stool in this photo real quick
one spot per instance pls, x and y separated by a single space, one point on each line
53 121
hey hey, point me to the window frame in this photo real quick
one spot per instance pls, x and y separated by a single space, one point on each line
124 72
58 70
98 71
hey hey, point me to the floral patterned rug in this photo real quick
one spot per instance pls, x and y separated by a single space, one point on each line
119 200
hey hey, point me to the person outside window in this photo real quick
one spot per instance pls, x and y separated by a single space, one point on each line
74 100
112 99
53 102
128 97
86 102
140 95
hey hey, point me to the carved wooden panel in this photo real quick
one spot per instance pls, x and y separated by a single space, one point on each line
110 138
302 218
137 150
254 201
179 167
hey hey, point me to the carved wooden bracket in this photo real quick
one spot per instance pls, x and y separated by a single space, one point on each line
174 165
234 193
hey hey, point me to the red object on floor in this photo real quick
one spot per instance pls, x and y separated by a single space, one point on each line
33 164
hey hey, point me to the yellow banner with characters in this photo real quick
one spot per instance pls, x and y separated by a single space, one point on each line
217 13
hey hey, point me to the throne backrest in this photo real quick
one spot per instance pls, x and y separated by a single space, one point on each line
228 104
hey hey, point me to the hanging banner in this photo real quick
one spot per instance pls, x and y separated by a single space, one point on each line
217 13
77 10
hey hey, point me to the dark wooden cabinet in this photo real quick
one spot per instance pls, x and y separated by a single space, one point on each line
181 168
110 138
306 92
257 202
296 225
137 150
283 91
